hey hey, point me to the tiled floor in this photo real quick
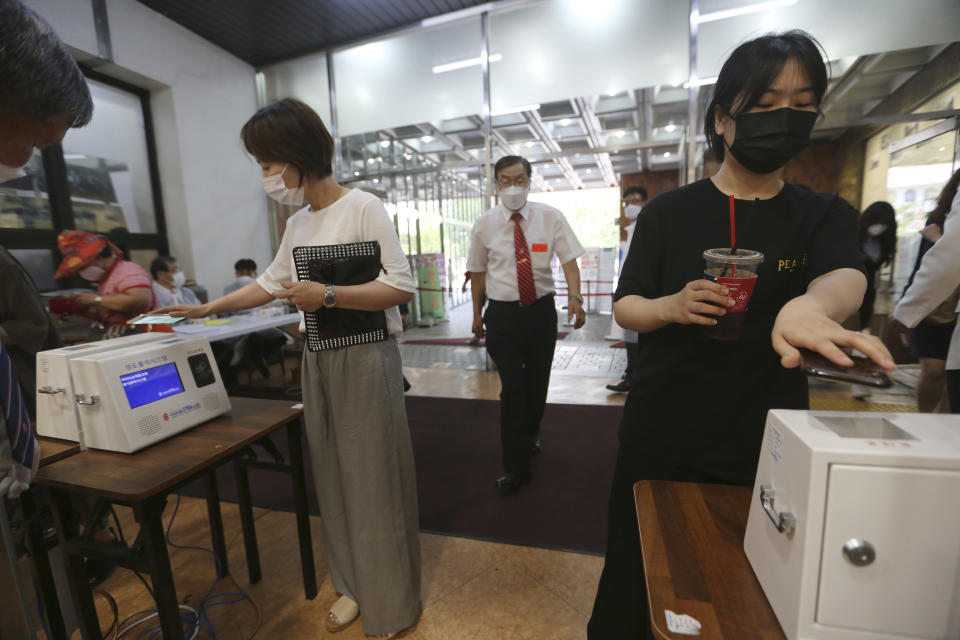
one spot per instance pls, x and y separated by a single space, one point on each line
472 589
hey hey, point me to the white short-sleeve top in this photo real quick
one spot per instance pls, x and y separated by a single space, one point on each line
356 217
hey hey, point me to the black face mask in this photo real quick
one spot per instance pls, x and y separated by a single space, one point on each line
765 140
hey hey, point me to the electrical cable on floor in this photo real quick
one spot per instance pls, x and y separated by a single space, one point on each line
194 617
116 612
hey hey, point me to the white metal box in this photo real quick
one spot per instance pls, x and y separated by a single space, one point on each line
57 415
854 525
131 398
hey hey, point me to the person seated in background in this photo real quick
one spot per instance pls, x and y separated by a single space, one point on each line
168 281
245 270
124 289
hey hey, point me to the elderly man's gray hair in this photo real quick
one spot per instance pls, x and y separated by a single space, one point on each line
39 79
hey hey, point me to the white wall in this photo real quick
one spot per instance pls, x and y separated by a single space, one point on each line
200 96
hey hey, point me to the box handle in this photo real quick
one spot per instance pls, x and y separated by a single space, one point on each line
783 520
93 401
52 391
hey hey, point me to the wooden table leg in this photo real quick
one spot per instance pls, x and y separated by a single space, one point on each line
246 522
216 523
80 591
149 514
298 478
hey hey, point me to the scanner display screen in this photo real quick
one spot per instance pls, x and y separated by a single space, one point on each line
150 385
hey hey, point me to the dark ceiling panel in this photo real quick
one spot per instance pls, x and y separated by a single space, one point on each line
263 32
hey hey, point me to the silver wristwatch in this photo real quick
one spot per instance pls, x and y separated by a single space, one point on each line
329 296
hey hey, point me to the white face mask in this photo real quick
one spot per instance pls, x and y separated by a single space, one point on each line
876 229
632 211
92 273
8 173
513 198
274 187
179 278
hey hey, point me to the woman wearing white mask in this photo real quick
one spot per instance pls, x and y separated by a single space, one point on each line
124 289
355 422
511 248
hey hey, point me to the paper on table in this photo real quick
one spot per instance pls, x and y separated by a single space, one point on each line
682 623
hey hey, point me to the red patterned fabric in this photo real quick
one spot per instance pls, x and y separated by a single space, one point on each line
528 291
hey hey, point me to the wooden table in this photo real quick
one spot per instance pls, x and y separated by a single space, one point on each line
692 539
54 449
143 480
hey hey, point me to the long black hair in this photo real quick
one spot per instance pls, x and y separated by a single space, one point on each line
939 213
880 213
752 68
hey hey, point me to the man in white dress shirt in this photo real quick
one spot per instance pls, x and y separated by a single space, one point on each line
511 248
633 200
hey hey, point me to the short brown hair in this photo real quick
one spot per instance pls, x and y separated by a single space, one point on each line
290 131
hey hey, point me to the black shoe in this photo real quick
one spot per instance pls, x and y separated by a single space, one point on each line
536 446
621 387
510 482
406 384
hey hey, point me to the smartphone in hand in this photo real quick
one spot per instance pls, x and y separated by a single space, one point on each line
863 371
155 318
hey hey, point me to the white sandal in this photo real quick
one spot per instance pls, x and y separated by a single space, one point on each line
342 614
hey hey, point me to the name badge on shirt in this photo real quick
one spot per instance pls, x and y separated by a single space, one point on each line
538 247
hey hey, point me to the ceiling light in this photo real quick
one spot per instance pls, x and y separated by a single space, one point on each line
385 144
666 154
528 144
356 173
942 149
670 128
370 160
589 171
427 139
463 64
376 180
379 159
741 11
700 82
620 133
407 156
565 122
526 107
611 94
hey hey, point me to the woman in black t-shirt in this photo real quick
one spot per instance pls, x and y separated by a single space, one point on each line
697 408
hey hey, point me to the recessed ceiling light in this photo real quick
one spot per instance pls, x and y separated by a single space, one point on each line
589 170
407 156
356 173
379 159
942 149
385 144
427 138
670 128
370 160
620 133
666 154
565 122
611 94
529 144
376 180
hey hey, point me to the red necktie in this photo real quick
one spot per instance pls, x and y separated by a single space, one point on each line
528 292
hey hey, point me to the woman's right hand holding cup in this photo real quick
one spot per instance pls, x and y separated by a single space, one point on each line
697 303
